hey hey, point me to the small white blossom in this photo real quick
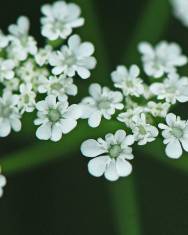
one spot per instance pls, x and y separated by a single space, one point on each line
172 89
102 103
42 56
128 80
55 118
175 135
9 114
128 116
74 58
110 155
6 69
3 183
22 44
157 109
162 59
58 86
180 10
59 19
143 132
26 98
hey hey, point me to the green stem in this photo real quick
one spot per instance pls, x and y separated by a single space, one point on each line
125 207
42 153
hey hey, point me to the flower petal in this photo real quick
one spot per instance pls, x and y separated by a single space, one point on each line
67 125
44 131
94 119
111 171
174 149
91 148
97 166
124 168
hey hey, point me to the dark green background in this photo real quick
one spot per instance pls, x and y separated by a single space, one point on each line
61 198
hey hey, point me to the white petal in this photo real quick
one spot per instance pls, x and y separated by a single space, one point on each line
44 132
91 148
111 171
74 42
83 72
51 100
3 181
124 168
134 71
174 149
95 90
97 166
95 119
120 136
86 49
5 128
184 142
56 133
170 119
74 111
16 124
68 125
129 140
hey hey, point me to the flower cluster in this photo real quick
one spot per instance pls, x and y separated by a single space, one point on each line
143 104
42 79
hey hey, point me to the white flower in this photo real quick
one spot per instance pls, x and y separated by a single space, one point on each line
26 98
162 59
102 103
110 155
43 54
55 118
180 10
128 80
6 69
74 58
9 114
4 40
157 109
128 116
172 89
3 182
143 132
59 19
175 135
58 86
22 44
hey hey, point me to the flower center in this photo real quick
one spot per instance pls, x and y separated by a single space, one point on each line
54 115
115 151
129 84
142 130
56 86
104 104
177 132
70 60
26 99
